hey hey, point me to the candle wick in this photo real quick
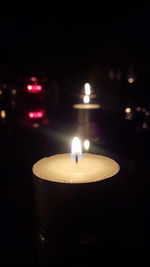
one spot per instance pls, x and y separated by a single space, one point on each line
76 158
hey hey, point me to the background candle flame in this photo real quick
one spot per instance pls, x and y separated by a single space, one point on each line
87 88
128 110
86 99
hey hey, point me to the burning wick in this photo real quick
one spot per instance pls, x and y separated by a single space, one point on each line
76 158
76 149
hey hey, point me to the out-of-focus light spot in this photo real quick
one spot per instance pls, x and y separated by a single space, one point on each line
34 88
33 79
130 80
1 92
36 114
42 238
144 125
129 116
144 110
147 113
29 87
36 125
31 115
39 87
87 88
138 109
3 114
14 91
128 110
86 99
86 145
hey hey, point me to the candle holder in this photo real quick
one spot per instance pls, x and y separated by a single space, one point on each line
69 217
62 209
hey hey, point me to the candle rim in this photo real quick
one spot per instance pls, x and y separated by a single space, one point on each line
86 106
76 182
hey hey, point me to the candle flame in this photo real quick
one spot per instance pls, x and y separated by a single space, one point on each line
87 88
86 99
86 145
76 147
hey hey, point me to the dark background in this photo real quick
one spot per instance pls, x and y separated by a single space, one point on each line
61 41
70 46
76 44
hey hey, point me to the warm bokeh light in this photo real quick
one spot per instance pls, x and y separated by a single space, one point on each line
87 88
1 92
14 91
86 99
138 109
130 80
86 145
76 146
3 114
128 110
147 113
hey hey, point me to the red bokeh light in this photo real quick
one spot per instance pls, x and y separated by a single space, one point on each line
33 79
35 88
36 114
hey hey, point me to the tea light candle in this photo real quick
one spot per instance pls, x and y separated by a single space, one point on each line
64 186
62 168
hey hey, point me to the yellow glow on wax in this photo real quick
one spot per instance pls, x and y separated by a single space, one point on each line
62 169
87 106
86 145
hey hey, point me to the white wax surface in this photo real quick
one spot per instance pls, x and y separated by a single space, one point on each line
63 169
86 106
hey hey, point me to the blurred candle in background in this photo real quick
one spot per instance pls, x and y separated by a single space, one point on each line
86 99
87 88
